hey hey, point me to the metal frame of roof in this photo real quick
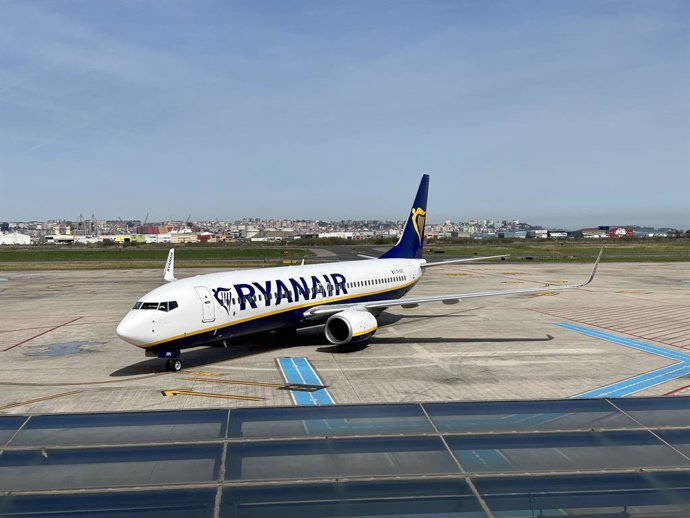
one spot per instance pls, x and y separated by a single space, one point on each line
591 457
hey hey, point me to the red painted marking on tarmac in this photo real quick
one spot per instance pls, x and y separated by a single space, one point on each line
41 334
676 390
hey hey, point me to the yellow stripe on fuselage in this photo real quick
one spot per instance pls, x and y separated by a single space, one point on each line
278 311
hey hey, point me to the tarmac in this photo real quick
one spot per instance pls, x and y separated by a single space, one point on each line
60 353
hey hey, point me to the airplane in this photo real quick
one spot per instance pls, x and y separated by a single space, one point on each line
346 296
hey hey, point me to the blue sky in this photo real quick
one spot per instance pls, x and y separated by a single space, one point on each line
559 113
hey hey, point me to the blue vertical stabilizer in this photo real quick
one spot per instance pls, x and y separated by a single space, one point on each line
412 240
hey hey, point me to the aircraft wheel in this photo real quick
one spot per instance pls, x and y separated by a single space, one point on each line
174 365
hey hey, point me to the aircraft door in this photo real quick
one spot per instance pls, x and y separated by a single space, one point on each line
208 310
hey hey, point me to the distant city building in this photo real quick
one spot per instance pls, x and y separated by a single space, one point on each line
594 233
558 234
15 238
618 232
513 234
89 231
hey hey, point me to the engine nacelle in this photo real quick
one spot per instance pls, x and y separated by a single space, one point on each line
350 326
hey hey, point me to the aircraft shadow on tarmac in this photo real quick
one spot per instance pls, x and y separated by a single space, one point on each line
349 348
386 319
237 348
312 336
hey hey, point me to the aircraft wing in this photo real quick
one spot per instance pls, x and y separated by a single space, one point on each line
466 260
325 310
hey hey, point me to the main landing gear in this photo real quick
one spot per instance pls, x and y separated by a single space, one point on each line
173 365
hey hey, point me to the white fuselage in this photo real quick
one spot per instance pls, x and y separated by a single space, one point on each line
206 308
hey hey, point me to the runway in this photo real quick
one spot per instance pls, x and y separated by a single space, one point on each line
60 353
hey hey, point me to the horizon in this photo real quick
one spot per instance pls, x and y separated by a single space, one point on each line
400 222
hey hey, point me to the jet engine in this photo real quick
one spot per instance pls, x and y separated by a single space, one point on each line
350 326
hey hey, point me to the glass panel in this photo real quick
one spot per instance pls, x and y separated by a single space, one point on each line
337 458
630 494
575 414
564 452
9 426
332 420
179 503
657 411
107 467
123 428
677 438
412 498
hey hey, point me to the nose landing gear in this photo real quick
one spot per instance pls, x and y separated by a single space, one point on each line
173 363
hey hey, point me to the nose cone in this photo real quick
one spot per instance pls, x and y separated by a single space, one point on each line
132 329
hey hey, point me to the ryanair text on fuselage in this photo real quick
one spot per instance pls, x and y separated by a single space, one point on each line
275 292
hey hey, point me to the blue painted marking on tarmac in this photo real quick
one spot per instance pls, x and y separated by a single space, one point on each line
636 383
300 371
634 344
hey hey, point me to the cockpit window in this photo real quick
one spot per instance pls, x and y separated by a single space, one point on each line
160 306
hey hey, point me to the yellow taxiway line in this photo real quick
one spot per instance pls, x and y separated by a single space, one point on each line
234 382
39 399
181 392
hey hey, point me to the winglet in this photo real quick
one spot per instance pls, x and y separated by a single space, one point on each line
594 270
170 267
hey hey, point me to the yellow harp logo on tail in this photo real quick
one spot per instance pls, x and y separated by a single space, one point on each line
418 220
